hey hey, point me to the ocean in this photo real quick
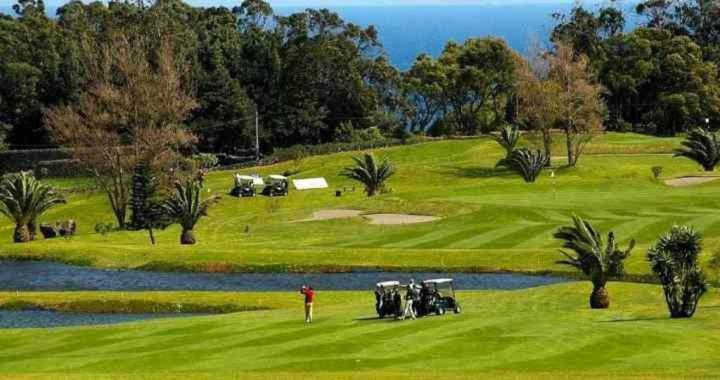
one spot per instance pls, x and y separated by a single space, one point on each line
407 31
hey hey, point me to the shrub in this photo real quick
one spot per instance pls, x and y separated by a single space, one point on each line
23 199
674 259
206 161
657 171
701 146
186 207
528 163
370 173
104 229
598 261
508 138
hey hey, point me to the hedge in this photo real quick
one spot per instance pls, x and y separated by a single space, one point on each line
12 161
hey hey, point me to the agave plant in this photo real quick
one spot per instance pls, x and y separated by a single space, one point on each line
23 199
508 138
591 256
528 163
674 259
186 207
371 173
701 146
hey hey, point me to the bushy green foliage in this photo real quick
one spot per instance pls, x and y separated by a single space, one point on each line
186 207
104 229
598 260
674 259
206 161
656 171
528 163
371 173
23 199
701 146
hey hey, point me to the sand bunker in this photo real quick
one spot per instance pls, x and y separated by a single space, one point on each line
399 218
689 181
333 214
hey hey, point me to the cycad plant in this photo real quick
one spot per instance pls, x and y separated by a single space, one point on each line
23 199
701 146
370 172
508 138
597 260
674 259
528 163
186 207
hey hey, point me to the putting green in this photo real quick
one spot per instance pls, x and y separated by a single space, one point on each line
489 218
537 333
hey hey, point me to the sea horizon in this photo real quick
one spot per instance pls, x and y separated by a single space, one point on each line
428 27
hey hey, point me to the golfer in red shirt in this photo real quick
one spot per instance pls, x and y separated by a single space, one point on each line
309 296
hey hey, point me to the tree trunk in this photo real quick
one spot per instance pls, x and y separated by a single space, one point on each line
187 237
152 236
599 299
547 144
21 234
32 229
570 149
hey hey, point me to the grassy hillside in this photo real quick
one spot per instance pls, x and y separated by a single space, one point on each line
491 220
538 333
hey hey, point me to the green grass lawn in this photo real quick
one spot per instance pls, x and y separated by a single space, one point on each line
491 220
546 332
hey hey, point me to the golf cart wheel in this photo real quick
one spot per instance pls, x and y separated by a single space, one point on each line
440 311
458 309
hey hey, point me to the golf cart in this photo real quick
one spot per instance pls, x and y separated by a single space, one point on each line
244 186
438 296
276 185
388 299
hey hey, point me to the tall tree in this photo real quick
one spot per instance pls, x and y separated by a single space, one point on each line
578 105
478 78
131 112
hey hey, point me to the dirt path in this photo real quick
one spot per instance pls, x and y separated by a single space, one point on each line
689 181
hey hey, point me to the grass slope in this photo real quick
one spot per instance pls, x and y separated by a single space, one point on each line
544 332
491 219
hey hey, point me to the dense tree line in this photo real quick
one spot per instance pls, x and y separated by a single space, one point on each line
311 77
660 78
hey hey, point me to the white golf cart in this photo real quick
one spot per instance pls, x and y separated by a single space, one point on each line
244 186
388 300
438 296
276 185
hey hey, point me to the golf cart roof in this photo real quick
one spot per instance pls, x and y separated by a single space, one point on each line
438 281
245 177
386 284
276 176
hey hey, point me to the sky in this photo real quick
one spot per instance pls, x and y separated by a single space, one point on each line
342 3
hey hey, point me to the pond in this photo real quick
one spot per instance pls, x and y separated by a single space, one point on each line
44 319
47 276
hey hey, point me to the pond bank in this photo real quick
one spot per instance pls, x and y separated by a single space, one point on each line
51 276
16 319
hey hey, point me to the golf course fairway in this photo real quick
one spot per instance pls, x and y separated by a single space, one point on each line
546 332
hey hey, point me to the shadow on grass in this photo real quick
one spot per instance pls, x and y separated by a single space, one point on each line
476 172
638 319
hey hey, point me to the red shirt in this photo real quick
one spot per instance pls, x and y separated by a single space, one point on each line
309 295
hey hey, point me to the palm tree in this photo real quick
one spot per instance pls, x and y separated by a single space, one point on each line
597 261
508 138
370 173
186 207
23 199
701 146
675 261
528 163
